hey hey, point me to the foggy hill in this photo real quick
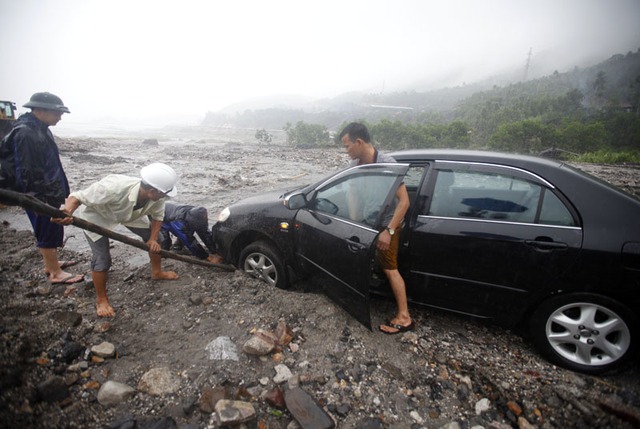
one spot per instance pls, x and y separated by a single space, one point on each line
621 74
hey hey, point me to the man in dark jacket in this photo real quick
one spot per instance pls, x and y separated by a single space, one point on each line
30 163
185 221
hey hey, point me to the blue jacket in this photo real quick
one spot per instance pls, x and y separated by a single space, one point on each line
30 162
185 221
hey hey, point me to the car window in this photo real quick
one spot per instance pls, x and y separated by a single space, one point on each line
358 198
414 176
491 195
554 212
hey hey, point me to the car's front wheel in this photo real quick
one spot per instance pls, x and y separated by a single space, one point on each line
263 261
585 332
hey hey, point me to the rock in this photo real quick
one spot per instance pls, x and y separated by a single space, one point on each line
283 373
222 349
524 424
78 367
104 350
91 385
343 410
157 423
306 410
210 397
112 393
229 413
67 318
258 345
71 378
393 370
54 389
514 408
416 417
102 327
482 405
275 398
70 351
283 333
43 290
159 381
370 423
127 422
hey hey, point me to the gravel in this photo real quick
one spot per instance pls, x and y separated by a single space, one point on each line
451 372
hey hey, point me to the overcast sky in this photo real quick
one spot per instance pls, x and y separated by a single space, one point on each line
133 58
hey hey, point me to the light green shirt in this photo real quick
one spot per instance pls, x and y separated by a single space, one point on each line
110 202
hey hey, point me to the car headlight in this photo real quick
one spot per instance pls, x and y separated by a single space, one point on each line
224 214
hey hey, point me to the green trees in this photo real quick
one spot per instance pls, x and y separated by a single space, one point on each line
585 110
527 136
598 88
396 135
304 135
263 136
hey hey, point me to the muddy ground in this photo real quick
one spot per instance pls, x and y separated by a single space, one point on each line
451 372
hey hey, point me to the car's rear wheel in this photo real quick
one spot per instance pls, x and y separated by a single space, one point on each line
263 261
585 332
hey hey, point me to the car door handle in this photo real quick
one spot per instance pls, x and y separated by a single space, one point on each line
546 244
354 244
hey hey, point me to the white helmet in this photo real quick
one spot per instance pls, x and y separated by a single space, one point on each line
162 177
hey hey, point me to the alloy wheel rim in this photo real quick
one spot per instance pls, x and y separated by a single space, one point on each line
588 334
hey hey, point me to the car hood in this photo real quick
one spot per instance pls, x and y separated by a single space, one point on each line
263 200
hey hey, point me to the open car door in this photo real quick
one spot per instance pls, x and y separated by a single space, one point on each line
337 230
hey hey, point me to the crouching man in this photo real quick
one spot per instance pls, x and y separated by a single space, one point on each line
129 201
185 222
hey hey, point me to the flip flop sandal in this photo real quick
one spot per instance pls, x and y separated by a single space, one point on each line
77 278
399 328
67 264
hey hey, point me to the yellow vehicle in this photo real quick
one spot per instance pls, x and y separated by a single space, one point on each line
7 117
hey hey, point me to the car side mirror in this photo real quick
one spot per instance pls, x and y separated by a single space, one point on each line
295 202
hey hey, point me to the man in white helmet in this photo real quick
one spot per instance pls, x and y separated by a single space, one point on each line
130 201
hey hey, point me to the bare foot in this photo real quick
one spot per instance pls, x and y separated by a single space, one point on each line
165 275
105 310
63 265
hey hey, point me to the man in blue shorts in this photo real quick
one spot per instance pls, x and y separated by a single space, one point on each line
30 163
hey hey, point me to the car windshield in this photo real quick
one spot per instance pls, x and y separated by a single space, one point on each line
306 189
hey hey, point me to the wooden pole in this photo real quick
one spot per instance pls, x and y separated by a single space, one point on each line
12 198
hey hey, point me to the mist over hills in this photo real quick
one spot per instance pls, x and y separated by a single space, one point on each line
535 75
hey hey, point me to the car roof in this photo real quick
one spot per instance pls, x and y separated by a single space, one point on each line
513 159
583 189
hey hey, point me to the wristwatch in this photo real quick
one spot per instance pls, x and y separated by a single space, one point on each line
391 231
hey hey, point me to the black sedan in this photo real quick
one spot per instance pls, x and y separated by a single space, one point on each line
521 240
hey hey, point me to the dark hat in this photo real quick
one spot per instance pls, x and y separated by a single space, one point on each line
197 217
46 100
